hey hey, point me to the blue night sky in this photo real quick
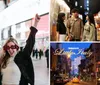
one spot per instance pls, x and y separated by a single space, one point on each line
74 47
68 45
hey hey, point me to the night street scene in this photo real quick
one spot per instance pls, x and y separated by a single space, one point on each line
75 63
75 20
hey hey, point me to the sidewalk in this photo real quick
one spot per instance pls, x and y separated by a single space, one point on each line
41 71
88 83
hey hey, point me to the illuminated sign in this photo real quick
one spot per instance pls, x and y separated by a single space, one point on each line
62 52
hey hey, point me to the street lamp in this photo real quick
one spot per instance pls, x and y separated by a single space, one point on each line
68 55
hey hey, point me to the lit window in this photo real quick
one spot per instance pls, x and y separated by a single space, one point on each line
87 4
76 4
18 25
86 13
87 1
88 8
80 6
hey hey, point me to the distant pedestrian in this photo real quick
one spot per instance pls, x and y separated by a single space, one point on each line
33 53
47 56
40 53
36 53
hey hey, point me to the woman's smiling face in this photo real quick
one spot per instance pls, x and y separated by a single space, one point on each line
11 48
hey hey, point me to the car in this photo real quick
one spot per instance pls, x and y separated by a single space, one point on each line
75 80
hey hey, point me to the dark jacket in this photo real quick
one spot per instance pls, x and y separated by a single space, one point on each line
24 62
61 28
47 53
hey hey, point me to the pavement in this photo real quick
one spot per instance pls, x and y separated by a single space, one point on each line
41 71
81 83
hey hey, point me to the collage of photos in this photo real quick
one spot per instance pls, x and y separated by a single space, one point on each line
49 42
74 42
24 42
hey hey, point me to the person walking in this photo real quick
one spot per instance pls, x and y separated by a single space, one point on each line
47 56
36 53
40 53
33 53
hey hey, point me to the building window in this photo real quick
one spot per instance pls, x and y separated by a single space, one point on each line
18 25
87 1
18 35
80 6
2 37
5 33
87 8
76 4
86 13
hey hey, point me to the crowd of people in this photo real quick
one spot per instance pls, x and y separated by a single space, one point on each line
75 30
38 53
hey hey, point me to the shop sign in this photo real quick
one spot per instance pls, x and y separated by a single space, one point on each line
70 52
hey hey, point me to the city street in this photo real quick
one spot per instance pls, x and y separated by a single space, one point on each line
41 71
81 83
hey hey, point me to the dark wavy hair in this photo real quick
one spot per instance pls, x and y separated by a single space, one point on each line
91 18
60 15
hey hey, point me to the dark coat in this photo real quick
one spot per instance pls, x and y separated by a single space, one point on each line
24 62
36 52
61 28
47 53
40 53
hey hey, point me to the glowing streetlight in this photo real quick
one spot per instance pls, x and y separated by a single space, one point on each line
68 55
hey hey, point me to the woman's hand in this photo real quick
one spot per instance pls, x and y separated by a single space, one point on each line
36 20
57 36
